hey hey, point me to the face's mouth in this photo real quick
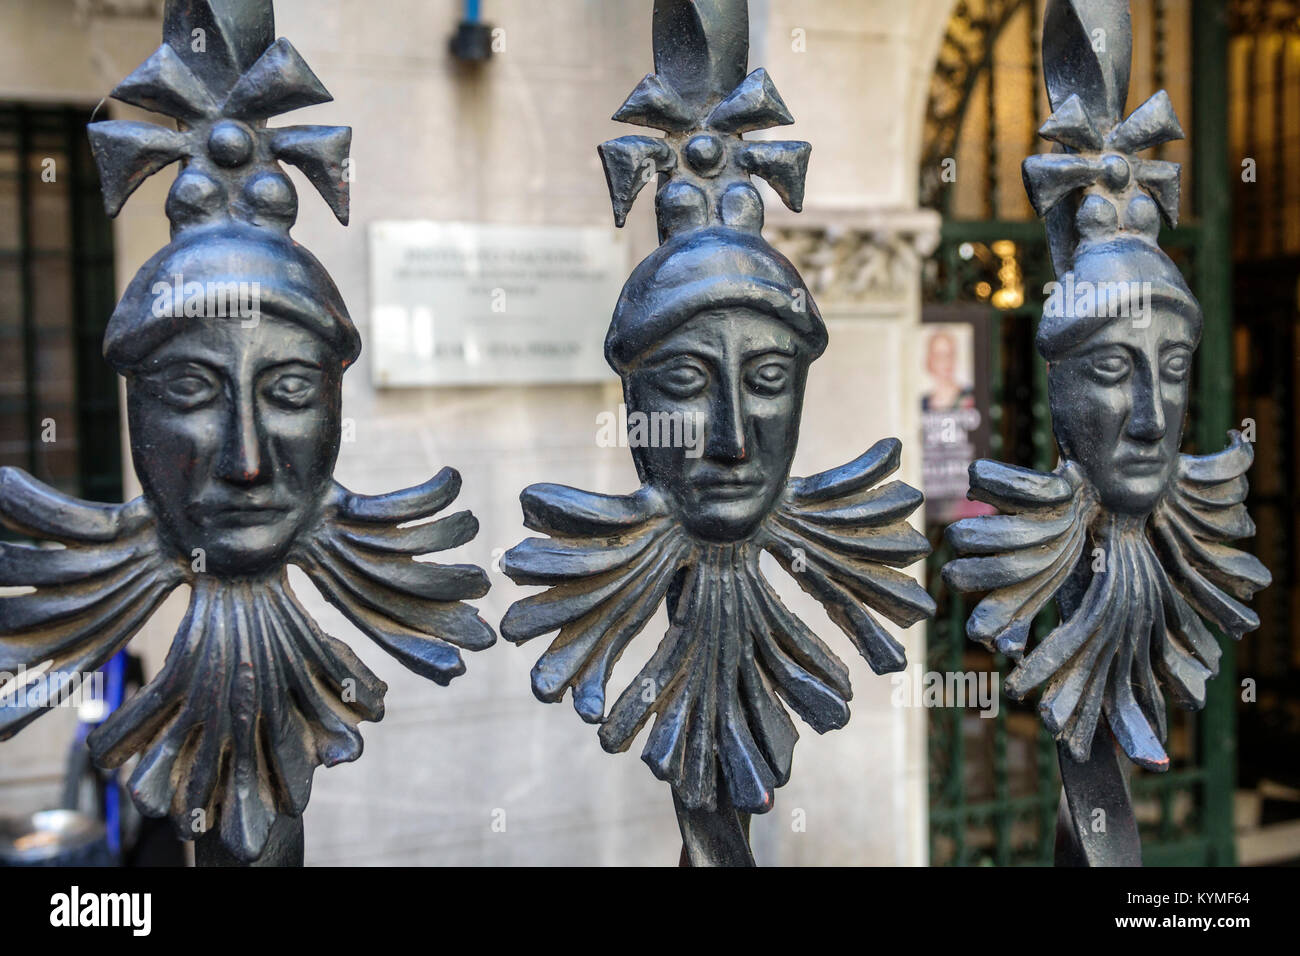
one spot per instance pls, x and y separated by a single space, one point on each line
1139 465
725 487
733 491
241 515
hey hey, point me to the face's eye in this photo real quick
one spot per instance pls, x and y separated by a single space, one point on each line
684 378
292 388
768 378
1108 366
185 386
1176 364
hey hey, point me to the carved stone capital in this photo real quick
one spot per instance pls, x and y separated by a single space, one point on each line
862 259
120 9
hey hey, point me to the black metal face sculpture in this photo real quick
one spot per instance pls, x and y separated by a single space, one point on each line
738 375
243 429
713 336
1127 535
233 341
1121 398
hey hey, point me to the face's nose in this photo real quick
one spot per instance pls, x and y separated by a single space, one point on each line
1147 417
724 432
241 453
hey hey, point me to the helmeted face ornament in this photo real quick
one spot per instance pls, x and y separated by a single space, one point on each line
713 336
1128 535
233 341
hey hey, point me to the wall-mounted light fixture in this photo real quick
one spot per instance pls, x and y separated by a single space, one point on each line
472 41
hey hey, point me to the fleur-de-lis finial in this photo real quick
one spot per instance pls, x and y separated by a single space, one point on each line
1086 61
221 74
1087 52
700 97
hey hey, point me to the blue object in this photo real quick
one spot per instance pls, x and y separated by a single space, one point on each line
114 692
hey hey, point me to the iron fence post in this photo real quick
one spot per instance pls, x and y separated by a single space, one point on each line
715 331
233 340
1128 536
1213 206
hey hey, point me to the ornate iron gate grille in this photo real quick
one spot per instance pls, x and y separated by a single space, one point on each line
58 400
1264 90
994 784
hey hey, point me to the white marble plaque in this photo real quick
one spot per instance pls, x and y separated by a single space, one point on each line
467 304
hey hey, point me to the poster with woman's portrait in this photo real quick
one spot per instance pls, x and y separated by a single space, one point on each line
954 408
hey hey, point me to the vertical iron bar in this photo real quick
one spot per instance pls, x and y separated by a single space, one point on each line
997 441
98 421
284 847
1166 812
1250 96
1049 789
953 257
1160 37
1214 272
991 152
1003 816
1277 175
27 284
1035 77
1094 790
957 741
714 837
77 264
1044 460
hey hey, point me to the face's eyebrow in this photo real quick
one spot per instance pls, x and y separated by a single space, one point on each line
770 350
271 364
1099 343
667 353
157 364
